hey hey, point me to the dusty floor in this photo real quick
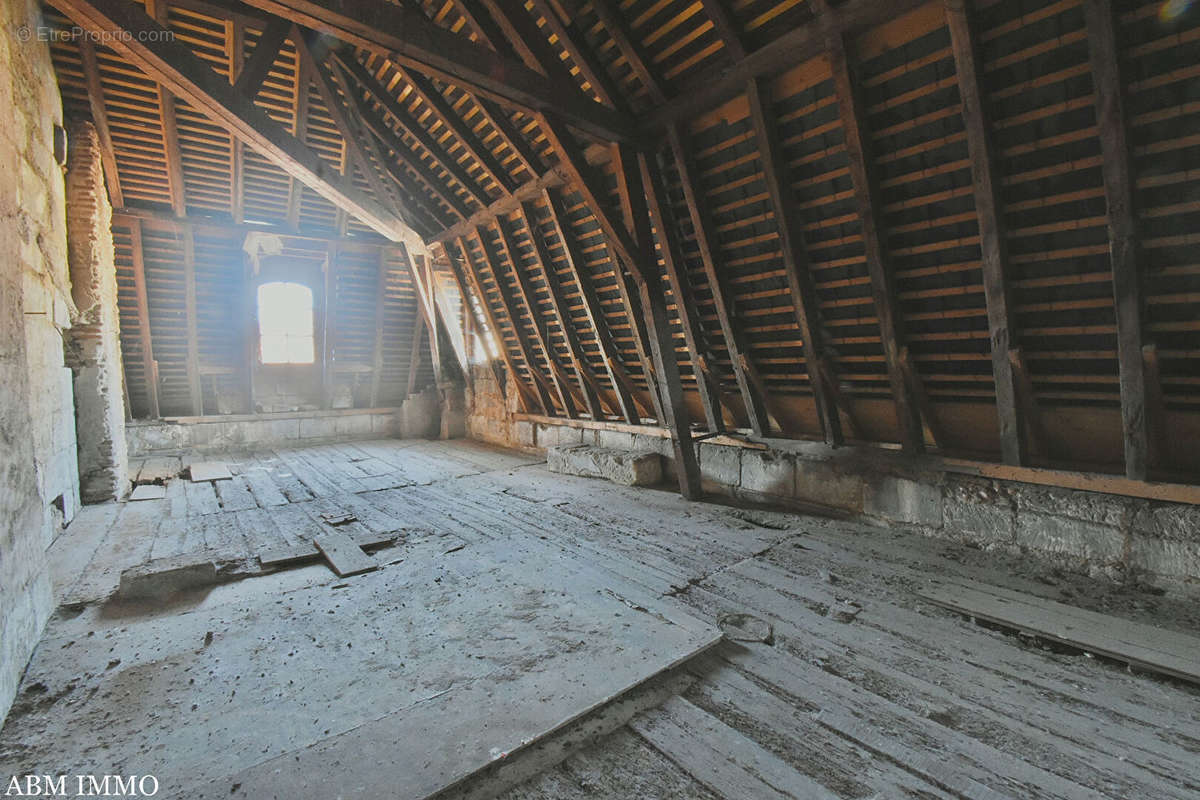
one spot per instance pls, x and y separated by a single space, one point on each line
864 691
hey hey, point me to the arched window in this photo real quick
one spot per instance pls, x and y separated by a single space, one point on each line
285 323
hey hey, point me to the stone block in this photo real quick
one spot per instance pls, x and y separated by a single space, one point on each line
1165 557
720 467
614 440
823 484
619 466
352 425
913 502
770 473
317 428
559 435
525 434
1070 539
1103 509
978 512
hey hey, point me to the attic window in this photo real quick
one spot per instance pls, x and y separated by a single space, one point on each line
285 323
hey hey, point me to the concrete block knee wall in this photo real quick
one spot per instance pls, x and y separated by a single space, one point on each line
1101 534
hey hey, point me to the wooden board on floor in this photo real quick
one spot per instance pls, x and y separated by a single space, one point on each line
344 556
210 471
283 556
149 491
158 469
1150 648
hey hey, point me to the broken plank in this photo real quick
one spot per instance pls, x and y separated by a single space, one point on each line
1154 649
344 556
292 554
210 471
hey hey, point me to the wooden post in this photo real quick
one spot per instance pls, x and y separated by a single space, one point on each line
193 343
414 356
523 346
882 290
562 316
749 382
621 382
794 255
95 92
676 417
143 310
380 296
1122 232
525 391
707 384
562 386
992 239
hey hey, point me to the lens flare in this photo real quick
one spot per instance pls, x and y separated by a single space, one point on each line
1174 9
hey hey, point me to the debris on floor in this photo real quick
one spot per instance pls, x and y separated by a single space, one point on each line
746 628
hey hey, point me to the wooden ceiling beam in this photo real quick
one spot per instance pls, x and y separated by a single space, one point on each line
388 102
95 93
407 37
236 50
707 383
726 29
588 384
992 236
463 134
270 43
882 289
577 47
1122 232
749 382
720 83
361 148
466 275
170 62
614 22
541 384
528 296
794 254
675 414
618 376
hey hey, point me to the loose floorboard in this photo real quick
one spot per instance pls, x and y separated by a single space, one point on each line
904 700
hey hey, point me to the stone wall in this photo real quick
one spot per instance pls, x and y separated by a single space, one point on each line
38 474
490 408
290 429
1114 536
94 342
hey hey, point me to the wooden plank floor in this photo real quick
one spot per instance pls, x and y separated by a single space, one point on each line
904 700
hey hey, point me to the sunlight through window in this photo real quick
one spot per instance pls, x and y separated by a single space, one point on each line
285 323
